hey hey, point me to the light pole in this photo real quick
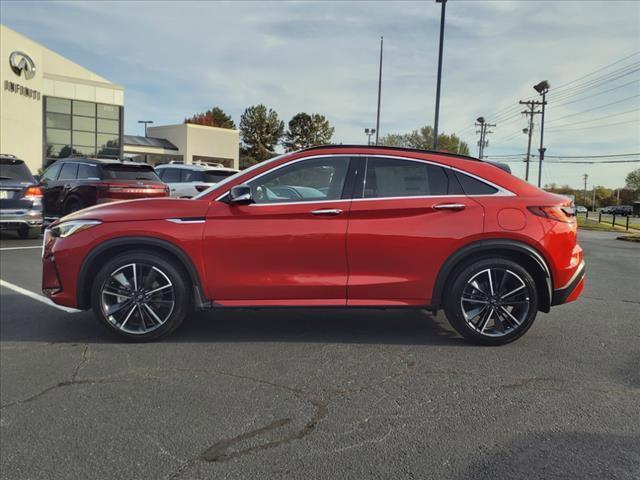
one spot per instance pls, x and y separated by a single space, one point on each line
542 88
435 122
146 122
369 132
377 129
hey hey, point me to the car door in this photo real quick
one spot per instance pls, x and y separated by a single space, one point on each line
51 189
288 247
406 218
67 180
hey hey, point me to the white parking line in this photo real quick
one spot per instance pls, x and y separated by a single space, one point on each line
20 248
35 296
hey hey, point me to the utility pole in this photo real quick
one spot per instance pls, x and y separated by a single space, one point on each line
146 122
531 112
435 121
483 142
377 130
542 88
593 203
585 176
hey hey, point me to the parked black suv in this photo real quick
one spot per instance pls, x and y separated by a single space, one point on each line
622 210
20 198
71 184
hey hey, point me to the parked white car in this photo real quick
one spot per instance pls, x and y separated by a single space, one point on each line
186 181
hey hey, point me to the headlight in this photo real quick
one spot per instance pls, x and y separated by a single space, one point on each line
65 229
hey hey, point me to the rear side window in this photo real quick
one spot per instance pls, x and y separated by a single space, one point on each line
390 177
15 170
472 186
129 172
86 172
170 175
192 175
68 171
214 176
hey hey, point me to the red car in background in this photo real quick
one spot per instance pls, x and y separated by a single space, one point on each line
332 226
71 184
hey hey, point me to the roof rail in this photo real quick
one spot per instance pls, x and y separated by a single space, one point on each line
385 147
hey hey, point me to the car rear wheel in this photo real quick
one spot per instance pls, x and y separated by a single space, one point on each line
492 301
30 233
141 297
73 205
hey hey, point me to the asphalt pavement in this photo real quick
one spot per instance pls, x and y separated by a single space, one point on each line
314 394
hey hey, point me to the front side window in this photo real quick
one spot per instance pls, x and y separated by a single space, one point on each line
311 180
52 172
390 177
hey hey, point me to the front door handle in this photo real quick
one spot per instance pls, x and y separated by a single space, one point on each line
328 212
450 206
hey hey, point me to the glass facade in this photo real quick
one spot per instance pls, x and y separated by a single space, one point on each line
73 127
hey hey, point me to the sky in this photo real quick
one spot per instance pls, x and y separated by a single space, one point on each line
179 58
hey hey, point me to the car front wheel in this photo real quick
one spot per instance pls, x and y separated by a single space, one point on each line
492 301
141 296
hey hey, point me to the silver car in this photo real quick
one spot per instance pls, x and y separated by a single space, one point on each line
20 198
188 180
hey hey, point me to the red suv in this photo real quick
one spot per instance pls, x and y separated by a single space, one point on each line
331 226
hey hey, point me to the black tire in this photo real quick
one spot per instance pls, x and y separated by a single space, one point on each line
504 329
29 233
73 204
135 324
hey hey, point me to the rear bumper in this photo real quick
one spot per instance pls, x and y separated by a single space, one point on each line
15 218
572 289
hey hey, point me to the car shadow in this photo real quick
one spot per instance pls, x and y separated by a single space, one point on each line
26 321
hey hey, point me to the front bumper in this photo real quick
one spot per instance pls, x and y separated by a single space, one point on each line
572 289
14 218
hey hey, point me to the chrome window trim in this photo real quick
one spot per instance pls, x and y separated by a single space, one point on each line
183 221
502 192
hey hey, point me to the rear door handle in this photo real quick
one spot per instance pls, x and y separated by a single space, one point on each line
450 206
328 212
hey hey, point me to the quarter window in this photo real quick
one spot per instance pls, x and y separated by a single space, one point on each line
471 186
390 177
310 180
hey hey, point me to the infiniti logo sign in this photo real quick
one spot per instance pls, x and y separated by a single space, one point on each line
22 63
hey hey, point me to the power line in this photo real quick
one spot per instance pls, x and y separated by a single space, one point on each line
600 125
598 118
596 94
595 108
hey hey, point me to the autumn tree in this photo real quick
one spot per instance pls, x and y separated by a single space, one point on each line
212 118
307 130
423 139
260 131
633 180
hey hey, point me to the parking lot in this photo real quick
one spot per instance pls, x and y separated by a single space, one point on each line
323 393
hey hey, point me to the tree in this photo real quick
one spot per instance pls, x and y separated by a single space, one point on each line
260 131
633 180
423 139
212 118
307 130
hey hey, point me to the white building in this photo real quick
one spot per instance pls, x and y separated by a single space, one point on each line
51 107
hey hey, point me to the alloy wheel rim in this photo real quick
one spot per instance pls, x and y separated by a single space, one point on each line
137 298
495 302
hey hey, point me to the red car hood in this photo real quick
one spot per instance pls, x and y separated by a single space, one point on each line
142 209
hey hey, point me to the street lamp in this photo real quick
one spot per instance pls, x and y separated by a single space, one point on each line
146 122
369 132
435 122
542 88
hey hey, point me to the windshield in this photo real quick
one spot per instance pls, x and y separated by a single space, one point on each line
15 170
130 172
242 172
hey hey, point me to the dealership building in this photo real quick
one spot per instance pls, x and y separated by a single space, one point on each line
51 107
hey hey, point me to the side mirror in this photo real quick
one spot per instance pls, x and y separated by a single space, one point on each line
36 178
240 195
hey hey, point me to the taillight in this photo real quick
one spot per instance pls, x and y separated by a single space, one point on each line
201 188
560 214
33 192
